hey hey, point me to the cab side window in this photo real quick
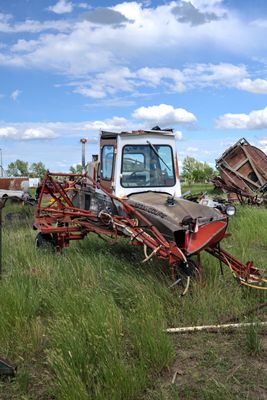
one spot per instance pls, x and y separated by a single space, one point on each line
107 162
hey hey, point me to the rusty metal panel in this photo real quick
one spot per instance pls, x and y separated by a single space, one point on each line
12 183
243 170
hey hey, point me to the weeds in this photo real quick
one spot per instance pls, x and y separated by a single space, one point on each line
91 320
253 341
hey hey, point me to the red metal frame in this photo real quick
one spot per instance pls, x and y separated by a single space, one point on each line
66 222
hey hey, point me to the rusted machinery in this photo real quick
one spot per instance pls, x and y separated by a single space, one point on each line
134 192
243 173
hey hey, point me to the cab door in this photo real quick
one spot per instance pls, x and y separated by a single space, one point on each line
108 148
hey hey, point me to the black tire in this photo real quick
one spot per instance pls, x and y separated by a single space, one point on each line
44 241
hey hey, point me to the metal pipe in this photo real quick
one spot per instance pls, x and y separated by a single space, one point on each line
214 327
83 141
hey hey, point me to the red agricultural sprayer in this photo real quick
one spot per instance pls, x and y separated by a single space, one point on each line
134 191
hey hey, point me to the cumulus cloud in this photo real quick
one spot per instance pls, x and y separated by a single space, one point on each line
52 130
61 7
15 94
18 132
38 133
115 123
191 149
7 25
85 6
164 114
262 144
261 23
221 74
95 91
8 132
153 30
107 83
257 86
169 80
99 48
186 12
105 16
254 120
178 135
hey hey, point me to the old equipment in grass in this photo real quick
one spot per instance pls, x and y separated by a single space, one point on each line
7 369
134 191
243 173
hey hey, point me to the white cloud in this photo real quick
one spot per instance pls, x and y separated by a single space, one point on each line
107 83
113 124
15 94
164 114
8 132
80 50
192 149
95 91
173 78
254 120
51 130
38 133
178 135
170 80
222 74
85 47
257 86
25 45
71 55
7 25
262 143
232 121
85 6
61 7
112 102
18 132
261 23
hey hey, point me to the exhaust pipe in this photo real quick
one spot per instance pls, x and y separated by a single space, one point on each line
83 141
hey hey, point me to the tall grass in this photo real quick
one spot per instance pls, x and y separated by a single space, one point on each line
88 323
87 318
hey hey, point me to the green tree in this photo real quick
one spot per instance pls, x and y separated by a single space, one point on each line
197 171
18 168
189 166
37 170
76 169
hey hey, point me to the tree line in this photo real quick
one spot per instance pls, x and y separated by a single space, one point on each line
34 170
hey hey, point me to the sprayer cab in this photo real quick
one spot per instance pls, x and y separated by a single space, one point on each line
137 161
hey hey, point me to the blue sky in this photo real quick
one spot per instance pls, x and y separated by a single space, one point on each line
69 68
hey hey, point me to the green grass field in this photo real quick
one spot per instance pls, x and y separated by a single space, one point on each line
89 323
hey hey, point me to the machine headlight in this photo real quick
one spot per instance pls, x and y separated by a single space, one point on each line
230 210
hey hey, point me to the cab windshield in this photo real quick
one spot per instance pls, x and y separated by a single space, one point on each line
147 166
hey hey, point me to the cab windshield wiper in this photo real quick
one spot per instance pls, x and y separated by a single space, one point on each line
157 154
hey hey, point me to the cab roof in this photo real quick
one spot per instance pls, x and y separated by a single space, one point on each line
141 132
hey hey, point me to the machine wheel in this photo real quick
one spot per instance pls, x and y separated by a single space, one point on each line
184 272
44 241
